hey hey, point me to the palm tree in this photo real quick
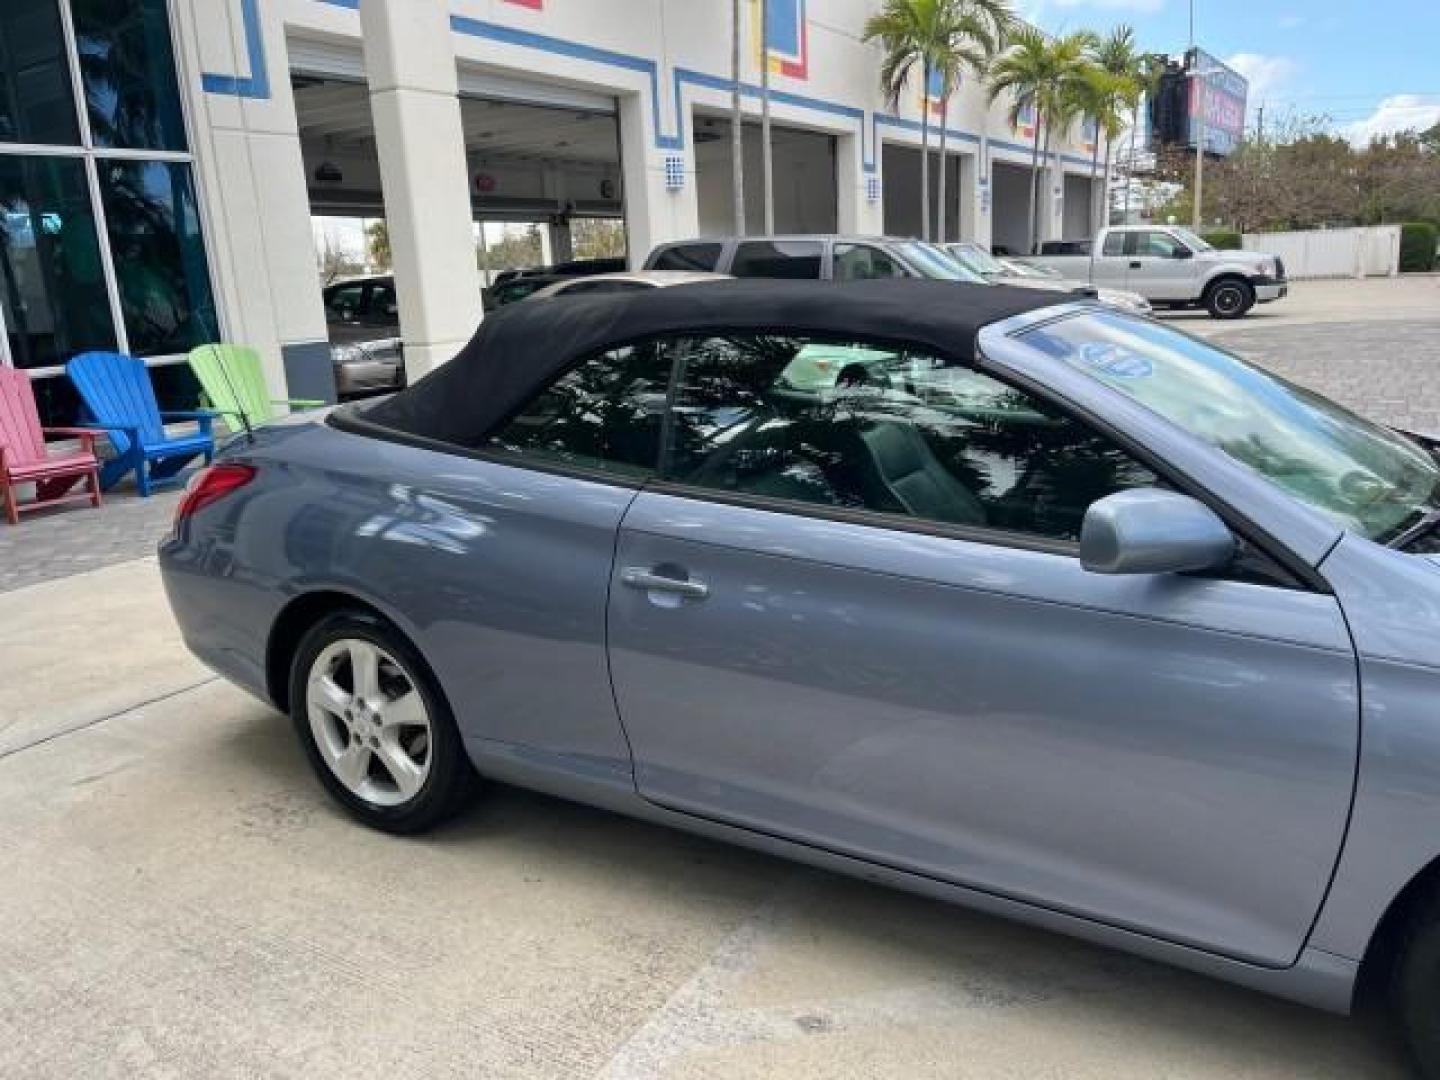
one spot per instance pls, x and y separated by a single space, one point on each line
737 134
1115 91
1147 73
1046 75
911 33
973 32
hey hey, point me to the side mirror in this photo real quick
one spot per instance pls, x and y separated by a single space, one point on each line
1149 531
1183 252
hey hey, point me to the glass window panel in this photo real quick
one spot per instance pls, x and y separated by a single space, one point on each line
778 259
883 429
127 64
606 413
52 288
36 103
688 257
155 238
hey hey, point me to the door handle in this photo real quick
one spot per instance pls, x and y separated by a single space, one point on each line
1135 266
637 577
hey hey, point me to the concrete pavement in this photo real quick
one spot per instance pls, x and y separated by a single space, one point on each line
181 900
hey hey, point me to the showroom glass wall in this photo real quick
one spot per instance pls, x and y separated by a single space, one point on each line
100 239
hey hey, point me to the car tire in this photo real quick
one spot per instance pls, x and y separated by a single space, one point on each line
1415 987
376 726
1229 298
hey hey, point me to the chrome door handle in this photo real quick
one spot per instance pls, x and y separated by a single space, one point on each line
637 577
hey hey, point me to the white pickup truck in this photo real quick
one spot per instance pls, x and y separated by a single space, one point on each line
1170 267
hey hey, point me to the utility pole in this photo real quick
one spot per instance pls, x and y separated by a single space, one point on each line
765 158
1260 126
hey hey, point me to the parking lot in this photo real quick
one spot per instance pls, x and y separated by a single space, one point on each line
181 899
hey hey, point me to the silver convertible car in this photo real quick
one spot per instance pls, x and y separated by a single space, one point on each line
1018 602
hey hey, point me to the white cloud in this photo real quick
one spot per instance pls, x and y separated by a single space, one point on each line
1266 74
1401 112
1145 6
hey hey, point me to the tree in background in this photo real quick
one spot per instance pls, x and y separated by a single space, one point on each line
1113 91
737 132
377 244
597 238
333 259
1049 76
515 250
914 34
972 34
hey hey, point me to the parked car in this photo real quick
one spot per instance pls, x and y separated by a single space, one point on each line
975 258
363 321
613 284
1059 613
813 257
517 287
570 268
1172 267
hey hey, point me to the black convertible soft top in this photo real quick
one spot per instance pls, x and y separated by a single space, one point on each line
519 349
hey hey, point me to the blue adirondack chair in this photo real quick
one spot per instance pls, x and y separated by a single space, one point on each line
118 396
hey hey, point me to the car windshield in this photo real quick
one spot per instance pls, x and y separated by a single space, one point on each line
976 258
1194 241
1365 476
929 261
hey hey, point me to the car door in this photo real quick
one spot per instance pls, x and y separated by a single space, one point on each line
1160 266
855 616
1110 266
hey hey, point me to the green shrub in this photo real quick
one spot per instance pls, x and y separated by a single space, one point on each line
1417 247
1224 239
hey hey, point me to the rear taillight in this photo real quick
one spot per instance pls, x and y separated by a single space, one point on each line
210 485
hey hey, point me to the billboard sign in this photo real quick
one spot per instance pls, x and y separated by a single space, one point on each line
1217 93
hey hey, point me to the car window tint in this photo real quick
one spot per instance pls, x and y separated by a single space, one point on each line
778 259
1157 245
688 257
605 413
384 310
1115 243
861 427
344 303
859 262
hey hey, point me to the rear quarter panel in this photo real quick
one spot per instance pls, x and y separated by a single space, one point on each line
499 576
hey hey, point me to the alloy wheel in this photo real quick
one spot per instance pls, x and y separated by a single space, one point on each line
370 722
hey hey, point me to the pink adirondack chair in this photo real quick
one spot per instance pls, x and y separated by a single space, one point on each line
24 458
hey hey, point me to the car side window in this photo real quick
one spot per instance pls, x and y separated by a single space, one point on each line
606 413
861 262
778 259
1158 245
383 309
688 257
344 303
896 432
1115 243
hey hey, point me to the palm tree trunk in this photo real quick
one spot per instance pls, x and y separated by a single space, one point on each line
1105 186
1130 164
765 147
925 162
1095 225
1032 239
737 144
940 197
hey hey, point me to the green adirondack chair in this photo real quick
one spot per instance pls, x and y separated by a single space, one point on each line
232 380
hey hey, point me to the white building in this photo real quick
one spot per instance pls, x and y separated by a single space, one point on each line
160 193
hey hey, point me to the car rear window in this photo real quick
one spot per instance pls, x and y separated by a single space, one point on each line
688 257
778 259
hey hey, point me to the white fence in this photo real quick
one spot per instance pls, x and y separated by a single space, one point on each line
1333 253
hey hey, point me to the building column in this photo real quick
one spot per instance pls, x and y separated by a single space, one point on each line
255 206
410 66
856 211
654 210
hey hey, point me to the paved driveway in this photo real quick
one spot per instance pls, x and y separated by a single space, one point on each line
178 899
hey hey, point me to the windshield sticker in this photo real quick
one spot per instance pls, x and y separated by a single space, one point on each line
1115 360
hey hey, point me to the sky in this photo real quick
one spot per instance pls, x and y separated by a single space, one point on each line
1370 66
